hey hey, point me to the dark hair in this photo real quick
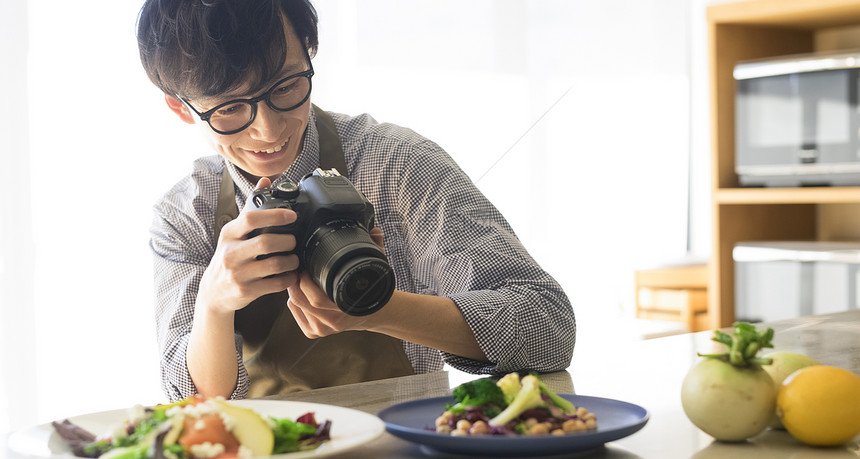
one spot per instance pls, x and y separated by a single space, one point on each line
203 48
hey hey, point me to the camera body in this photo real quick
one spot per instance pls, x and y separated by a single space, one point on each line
333 240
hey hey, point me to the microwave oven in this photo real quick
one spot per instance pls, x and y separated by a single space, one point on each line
797 121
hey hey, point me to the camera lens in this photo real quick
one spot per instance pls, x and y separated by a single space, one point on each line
345 262
363 285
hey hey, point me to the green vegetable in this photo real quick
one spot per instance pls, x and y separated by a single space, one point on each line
743 345
728 395
527 398
127 452
136 444
481 392
565 405
287 434
510 386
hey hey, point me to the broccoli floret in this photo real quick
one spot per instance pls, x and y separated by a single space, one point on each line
481 392
564 405
510 386
527 398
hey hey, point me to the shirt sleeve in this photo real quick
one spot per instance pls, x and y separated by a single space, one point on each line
182 247
461 247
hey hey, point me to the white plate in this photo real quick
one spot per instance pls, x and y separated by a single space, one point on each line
349 428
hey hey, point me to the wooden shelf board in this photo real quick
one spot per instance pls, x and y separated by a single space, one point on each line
802 14
817 195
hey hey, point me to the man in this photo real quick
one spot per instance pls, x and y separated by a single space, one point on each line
235 324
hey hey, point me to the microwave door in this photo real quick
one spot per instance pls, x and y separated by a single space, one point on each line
769 121
829 112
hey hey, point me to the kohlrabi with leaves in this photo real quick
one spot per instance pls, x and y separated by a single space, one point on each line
728 395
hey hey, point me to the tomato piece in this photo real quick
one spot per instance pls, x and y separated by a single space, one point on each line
208 428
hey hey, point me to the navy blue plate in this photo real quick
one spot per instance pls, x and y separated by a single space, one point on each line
414 421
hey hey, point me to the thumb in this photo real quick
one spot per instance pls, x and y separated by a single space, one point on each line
378 238
264 182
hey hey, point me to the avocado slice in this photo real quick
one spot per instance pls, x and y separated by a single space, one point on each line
252 431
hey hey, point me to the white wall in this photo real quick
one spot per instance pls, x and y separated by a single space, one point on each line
573 117
597 186
16 272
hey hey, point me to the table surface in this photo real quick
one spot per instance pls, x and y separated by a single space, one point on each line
648 373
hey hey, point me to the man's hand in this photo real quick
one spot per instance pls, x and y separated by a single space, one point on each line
315 313
236 276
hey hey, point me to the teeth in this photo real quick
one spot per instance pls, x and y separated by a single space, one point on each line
272 150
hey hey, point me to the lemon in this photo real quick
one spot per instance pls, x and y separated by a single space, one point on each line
820 405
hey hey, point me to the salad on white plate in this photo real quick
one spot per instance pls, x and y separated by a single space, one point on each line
196 428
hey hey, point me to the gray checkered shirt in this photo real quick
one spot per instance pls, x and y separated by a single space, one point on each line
442 237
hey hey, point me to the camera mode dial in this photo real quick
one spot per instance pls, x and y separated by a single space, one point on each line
286 190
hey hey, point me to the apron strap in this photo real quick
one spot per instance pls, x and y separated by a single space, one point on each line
331 150
226 210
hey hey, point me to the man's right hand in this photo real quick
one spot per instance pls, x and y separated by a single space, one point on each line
237 275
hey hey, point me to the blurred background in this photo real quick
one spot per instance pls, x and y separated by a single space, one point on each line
585 122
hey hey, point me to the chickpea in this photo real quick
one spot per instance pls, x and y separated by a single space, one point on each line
459 433
479 428
464 425
557 432
591 424
443 419
530 422
569 425
538 429
589 416
581 412
444 428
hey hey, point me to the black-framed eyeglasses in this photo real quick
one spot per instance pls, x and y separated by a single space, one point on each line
236 115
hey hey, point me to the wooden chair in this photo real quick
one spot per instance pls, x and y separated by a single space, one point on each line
676 293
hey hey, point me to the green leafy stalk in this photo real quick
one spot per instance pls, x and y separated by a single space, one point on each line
743 345
564 405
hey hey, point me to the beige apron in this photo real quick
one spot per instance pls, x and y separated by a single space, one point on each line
278 356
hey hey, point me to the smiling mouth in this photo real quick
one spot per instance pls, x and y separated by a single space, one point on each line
271 150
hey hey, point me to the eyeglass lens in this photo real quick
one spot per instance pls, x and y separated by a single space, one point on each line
286 96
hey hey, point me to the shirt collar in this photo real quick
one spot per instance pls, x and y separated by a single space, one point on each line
306 162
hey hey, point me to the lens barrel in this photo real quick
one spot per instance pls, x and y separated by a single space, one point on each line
345 262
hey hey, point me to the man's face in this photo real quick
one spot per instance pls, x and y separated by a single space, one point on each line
272 142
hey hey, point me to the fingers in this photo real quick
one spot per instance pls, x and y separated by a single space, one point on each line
378 238
312 294
265 218
314 312
270 243
275 283
264 182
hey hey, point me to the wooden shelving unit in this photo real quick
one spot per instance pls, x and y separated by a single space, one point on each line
753 30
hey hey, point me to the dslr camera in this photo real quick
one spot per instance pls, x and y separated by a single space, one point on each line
333 240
